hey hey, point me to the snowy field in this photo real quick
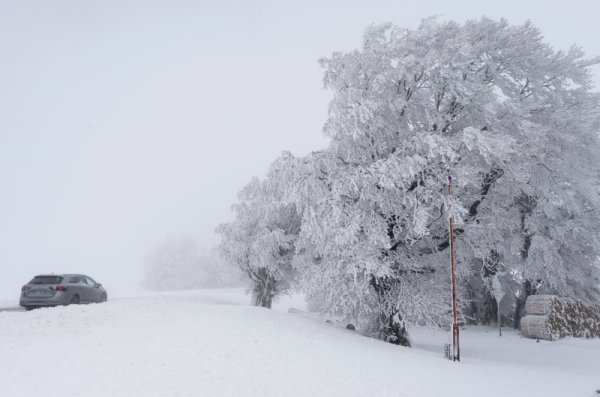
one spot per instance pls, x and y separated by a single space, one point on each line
211 343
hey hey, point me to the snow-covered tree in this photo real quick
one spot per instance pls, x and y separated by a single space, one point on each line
179 264
511 121
261 239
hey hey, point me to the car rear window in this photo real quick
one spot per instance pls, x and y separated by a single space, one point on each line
46 280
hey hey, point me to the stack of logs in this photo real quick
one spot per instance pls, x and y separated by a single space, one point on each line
550 318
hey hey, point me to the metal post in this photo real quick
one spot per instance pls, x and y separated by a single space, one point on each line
455 333
499 318
498 294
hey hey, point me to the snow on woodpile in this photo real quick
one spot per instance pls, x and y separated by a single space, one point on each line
539 304
550 317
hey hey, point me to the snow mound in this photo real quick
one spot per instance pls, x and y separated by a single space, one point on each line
208 343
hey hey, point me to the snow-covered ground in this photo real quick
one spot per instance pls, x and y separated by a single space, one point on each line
211 343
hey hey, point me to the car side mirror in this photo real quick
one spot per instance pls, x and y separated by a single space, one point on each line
98 285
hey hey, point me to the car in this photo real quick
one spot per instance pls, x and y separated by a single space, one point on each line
61 289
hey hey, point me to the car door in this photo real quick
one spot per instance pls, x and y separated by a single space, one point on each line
94 292
83 289
76 287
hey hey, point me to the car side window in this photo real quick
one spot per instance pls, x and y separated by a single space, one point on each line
76 280
90 281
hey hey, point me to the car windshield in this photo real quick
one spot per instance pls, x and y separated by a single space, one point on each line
46 280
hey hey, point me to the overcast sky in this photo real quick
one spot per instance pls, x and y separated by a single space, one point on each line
124 123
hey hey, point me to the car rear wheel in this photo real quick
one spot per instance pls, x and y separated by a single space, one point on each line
74 300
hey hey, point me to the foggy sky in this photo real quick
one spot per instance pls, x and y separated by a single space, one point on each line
123 123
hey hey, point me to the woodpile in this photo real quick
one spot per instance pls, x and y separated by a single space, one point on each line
550 317
536 327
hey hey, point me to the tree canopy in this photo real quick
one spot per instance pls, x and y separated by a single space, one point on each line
512 122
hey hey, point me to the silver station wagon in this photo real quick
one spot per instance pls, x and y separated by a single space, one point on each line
61 289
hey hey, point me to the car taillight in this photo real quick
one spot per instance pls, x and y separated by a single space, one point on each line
25 288
62 288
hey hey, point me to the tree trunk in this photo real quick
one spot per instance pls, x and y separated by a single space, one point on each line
261 297
527 204
489 313
471 311
393 330
489 307
264 288
527 289
391 327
